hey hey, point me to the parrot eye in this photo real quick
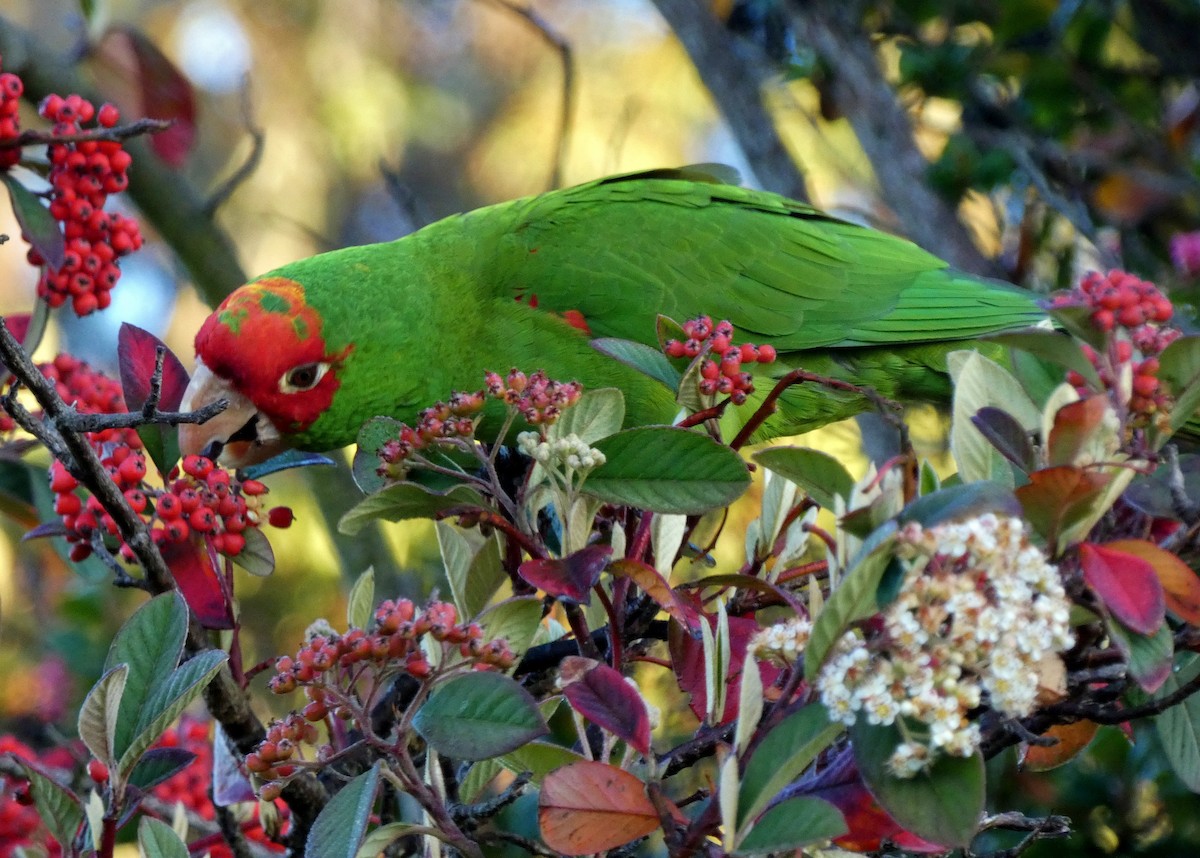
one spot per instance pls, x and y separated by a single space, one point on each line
304 377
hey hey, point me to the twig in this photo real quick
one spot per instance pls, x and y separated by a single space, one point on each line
567 105
1039 829
692 751
114 134
796 376
225 190
466 813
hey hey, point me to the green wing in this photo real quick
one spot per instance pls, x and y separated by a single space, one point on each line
621 249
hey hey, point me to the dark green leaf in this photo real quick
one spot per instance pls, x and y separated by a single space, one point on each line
960 502
1179 368
1179 727
403 501
792 824
854 598
158 765
1053 347
371 437
942 804
150 643
1007 436
645 359
782 756
479 715
341 824
1077 321
256 557
667 470
58 807
819 474
37 224
156 839
286 461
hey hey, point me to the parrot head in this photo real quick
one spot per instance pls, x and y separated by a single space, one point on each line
263 352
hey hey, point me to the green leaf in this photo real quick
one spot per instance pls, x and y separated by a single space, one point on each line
403 501
382 837
157 765
150 643
959 502
1077 321
339 827
58 807
36 222
1149 657
371 437
819 474
645 359
854 598
792 824
1179 368
517 620
781 757
473 566
256 557
598 414
99 713
167 698
942 804
538 759
1053 347
156 839
361 600
479 715
667 470
978 383
1179 727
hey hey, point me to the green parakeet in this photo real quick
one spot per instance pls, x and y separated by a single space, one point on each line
308 352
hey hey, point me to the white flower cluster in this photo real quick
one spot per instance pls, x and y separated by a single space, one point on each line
569 451
978 610
783 642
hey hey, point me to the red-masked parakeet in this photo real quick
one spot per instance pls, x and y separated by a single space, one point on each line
310 351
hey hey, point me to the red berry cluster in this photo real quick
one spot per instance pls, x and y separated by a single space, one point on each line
82 175
204 499
92 392
538 399
1134 313
722 374
11 88
191 786
441 421
273 759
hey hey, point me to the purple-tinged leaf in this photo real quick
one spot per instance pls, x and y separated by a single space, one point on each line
601 694
137 357
38 226
229 782
1126 584
1149 657
49 528
1007 435
154 88
571 578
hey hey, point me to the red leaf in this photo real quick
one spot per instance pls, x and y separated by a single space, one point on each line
1127 585
1180 583
571 578
154 87
1075 424
592 807
136 356
200 583
601 694
655 586
687 660
868 824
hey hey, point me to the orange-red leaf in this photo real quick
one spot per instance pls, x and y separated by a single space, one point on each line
1055 498
592 807
1126 584
655 586
1180 584
1072 738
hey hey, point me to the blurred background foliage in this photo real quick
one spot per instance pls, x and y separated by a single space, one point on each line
1027 139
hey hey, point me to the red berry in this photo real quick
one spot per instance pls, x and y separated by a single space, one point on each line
97 771
202 520
280 516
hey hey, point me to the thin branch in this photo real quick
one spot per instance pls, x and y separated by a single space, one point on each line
567 105
115 134
225 190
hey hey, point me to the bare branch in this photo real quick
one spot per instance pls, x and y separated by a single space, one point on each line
116 133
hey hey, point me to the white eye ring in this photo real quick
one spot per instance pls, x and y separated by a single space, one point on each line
304 377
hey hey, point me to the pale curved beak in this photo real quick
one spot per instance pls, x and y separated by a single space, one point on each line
238 436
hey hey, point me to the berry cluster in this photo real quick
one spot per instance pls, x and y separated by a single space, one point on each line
82 175
538 399
339 671
191 786
1134 314
11 88
91 392
722 374
204 499
273 759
